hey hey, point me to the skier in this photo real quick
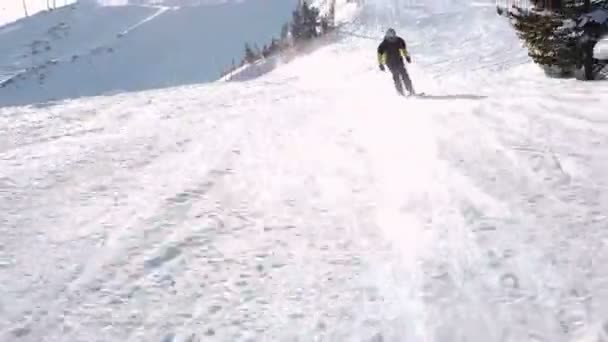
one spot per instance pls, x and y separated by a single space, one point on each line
391 52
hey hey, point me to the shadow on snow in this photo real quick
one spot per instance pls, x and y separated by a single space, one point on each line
451 97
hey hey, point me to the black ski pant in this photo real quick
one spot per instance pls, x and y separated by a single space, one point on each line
400 77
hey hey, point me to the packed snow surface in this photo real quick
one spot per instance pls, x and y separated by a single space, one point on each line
312 204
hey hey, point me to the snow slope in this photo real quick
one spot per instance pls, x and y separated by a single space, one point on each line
59 36
312 204
89 50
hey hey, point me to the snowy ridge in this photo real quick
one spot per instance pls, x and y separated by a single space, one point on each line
313 204
345 13
253 70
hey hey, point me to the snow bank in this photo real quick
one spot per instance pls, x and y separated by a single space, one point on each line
600 50
252 71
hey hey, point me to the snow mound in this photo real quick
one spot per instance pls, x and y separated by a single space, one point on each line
253 70
600 51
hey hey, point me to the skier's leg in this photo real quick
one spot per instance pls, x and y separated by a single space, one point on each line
397 79
406 79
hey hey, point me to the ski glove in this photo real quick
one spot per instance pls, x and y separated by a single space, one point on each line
408 59
381 66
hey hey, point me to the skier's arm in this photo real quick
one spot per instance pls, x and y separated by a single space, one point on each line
381 54
403 51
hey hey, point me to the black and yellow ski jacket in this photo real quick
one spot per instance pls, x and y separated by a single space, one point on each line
392 51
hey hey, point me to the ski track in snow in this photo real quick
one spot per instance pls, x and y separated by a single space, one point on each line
312 204
159 12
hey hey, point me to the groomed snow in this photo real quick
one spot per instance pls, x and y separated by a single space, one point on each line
313 204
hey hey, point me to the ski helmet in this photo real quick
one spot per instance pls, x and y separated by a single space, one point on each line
390 33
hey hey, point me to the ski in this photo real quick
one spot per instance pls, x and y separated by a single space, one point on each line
414 95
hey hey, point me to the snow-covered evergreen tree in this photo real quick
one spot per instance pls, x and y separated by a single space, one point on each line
305 23
560 34
250 55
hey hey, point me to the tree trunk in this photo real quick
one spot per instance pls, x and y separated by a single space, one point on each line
555 5
588 60
588 47
25 8
552 5
332 13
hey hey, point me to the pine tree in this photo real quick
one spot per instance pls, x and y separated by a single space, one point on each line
273 47
25 8
265 51
311 20
325 25
284 32
547 44
250 55
257 51
331 16
297 25
305 23
553 37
